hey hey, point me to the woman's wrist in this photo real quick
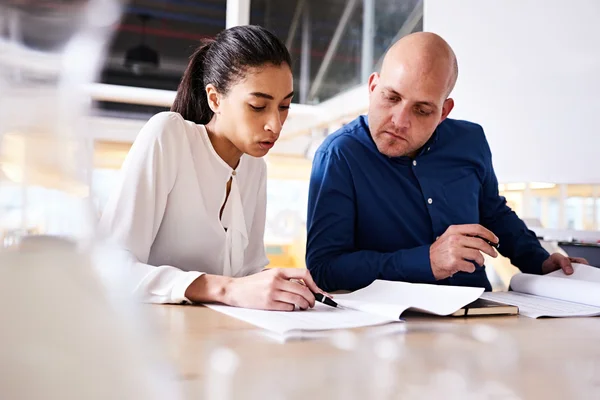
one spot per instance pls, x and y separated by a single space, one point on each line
209 289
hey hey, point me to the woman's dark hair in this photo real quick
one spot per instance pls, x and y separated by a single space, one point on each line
223 62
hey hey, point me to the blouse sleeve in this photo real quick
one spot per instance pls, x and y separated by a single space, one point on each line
134 212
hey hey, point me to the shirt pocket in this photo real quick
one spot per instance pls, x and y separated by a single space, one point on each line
461 200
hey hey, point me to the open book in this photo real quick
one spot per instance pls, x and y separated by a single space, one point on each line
555 294
380 303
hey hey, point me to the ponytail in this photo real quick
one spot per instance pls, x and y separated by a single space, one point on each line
191 101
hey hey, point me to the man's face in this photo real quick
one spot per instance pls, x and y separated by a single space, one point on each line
406 105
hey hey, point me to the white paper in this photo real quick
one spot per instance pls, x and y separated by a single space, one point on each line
581 272
536 306
390 299
321 317
382 302
574 288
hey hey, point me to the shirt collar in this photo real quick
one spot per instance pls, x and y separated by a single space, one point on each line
403 159
218 163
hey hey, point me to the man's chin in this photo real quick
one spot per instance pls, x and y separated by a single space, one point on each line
389 150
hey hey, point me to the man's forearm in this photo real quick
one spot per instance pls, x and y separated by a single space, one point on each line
355 270
518 243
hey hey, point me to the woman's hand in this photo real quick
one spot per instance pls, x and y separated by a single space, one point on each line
271 289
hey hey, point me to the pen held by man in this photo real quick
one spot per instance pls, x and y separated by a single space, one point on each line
459 248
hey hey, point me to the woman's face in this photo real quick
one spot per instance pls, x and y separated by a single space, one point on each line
255 108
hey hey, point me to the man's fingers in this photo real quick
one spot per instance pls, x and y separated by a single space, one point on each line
473 255
299 289
579 260
478 244
475 230
565 264
465 266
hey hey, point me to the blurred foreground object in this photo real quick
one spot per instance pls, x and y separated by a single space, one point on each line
61 336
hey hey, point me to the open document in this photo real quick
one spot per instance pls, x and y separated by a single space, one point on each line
380 303
555 294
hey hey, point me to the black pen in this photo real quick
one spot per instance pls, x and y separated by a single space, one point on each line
494 245
321 298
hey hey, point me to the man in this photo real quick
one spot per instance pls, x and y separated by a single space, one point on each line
406 194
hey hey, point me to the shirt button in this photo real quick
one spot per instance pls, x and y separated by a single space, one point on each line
415 163
428 148
430 200
233 173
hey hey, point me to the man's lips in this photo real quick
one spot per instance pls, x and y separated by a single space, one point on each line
396 135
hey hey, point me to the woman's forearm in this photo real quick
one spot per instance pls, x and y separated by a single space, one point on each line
209 289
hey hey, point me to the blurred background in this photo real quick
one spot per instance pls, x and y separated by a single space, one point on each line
528 74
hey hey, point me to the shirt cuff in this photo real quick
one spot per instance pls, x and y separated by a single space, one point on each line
416 265
536 262
181 285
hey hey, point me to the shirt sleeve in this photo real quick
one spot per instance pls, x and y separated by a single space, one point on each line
331 255
255 258
517 242
134 212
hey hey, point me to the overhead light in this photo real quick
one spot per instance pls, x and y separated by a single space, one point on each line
142 58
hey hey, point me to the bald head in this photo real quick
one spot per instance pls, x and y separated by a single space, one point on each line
427 55
408 99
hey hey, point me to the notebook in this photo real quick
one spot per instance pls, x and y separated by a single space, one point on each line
554 294
482 307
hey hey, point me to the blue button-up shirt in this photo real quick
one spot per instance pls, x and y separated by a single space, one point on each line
374 217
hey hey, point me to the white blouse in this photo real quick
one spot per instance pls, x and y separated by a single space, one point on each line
165 211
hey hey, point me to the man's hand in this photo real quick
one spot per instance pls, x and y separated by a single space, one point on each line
458 247
557 261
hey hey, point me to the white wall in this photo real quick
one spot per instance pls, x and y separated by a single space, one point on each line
530 74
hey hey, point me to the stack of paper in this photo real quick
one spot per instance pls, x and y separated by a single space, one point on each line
555 294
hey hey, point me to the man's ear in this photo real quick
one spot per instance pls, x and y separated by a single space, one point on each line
373 81
446 108
214 98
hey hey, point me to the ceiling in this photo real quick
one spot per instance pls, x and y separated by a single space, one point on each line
176 27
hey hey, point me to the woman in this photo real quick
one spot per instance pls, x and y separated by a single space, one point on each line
190 208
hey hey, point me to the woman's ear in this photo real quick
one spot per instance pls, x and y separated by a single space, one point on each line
214 98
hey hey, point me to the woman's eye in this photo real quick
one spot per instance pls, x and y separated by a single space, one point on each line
256 108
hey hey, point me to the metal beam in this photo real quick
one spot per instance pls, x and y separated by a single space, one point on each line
237 13
335 41
368 35
305 56
407 27
294 24
158 97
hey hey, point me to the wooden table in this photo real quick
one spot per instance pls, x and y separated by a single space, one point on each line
219 357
